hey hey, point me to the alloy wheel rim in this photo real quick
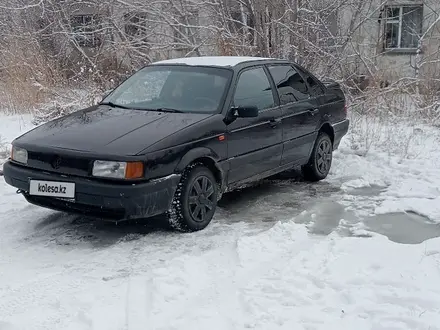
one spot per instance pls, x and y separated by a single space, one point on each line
324 157
201 195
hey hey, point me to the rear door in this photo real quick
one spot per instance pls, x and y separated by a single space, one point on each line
300 113
332 105
254 144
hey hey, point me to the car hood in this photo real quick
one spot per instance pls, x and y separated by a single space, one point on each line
106 130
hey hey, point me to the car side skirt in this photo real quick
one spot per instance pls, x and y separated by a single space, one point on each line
266 174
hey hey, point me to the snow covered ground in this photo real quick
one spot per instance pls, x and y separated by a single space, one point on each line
359 250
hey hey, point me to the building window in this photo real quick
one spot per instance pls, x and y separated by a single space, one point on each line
137 28
403 26
87 30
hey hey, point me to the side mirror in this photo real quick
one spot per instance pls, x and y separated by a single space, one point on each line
246 112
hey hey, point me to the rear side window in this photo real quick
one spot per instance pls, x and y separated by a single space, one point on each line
253 89
314 86
290 84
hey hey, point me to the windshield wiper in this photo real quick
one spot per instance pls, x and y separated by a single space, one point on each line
168 110
114 105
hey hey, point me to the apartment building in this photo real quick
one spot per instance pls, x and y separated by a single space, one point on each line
401 38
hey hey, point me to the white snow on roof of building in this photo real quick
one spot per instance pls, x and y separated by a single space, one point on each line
212 60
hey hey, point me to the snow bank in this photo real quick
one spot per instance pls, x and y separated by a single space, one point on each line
334 283
402 158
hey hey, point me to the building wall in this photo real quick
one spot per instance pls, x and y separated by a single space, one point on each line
366 46
397 63
162 37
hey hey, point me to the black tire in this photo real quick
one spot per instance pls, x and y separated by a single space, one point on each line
321 158
195 200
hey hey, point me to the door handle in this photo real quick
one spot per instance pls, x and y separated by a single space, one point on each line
274 122
314 111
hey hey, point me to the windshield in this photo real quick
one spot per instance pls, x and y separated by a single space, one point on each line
173 88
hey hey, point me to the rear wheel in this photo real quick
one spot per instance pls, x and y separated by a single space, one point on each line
195 200
321 158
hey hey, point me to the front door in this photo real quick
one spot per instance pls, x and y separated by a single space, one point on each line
300 114
254 144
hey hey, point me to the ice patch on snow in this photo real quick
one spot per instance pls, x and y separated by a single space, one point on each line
429 208
402 159
356 183
416 193
414 188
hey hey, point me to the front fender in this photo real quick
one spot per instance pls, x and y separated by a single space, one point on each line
197 153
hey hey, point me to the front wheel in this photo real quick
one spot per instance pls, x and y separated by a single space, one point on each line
320 161
195 200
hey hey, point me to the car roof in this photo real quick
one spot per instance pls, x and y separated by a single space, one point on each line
219 61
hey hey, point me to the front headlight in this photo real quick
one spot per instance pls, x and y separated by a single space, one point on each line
19 155
118 170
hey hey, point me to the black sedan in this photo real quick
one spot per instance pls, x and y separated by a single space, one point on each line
176 135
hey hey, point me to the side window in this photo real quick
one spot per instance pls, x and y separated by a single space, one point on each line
290 84
314 85
253 89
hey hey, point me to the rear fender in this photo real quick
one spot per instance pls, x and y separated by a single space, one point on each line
328 128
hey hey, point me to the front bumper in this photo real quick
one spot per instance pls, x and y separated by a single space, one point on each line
119 201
